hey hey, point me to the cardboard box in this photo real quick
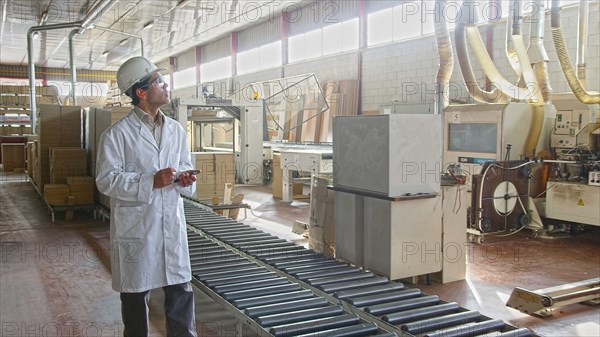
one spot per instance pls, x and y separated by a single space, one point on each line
81 189
218 169
56 194
66 162
13 157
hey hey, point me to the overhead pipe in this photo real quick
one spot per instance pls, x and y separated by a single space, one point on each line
72 65
96 13
126 34
582 28
565 62
442 98
31 64
537 52
92 16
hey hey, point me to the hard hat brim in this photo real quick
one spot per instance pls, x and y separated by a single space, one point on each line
143 78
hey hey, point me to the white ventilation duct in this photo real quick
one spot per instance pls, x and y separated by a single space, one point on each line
582 25
446 60
462 54
529 94
536 51
513 26
565 62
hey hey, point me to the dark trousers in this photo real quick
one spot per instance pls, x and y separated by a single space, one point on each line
179 312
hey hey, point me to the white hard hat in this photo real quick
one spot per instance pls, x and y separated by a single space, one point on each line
134 70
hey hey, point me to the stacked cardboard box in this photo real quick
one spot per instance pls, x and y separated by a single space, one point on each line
66 162
81 189
58 126
57 194
321 230
97 120
218 169
13 157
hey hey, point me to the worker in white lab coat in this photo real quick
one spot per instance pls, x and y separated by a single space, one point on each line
141 165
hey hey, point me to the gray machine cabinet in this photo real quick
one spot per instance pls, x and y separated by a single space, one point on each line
390 155
403 238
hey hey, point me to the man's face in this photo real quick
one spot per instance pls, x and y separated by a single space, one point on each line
157 90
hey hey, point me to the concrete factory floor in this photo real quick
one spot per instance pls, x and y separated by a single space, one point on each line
55 277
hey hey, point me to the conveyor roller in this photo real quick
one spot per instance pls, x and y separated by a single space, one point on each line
282 289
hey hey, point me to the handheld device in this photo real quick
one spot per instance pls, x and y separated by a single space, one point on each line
192 172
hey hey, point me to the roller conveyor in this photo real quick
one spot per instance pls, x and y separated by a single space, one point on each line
284 289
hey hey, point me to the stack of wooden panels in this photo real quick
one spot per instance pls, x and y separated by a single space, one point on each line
302 119
218 169
81 190
342 98
58 126
13 157
67 162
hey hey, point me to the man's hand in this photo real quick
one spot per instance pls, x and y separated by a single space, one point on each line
187 178
164 177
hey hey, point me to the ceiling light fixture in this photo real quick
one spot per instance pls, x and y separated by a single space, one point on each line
148 25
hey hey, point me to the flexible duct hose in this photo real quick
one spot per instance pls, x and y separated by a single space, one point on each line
531 93
446 60
513 26
478 94
537 52
565 63
582 31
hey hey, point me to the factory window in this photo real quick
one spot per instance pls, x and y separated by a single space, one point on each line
379 27
340 37
528 6
216 70
184 78
331 39
263 57
416 18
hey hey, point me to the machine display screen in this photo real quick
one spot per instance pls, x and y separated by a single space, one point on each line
472 137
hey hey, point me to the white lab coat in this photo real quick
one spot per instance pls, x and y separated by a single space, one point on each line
147 226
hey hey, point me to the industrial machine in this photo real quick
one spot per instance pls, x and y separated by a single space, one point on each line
262 112
487 141
573 190
249 154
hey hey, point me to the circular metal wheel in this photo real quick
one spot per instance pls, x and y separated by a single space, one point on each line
524 220
485 225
